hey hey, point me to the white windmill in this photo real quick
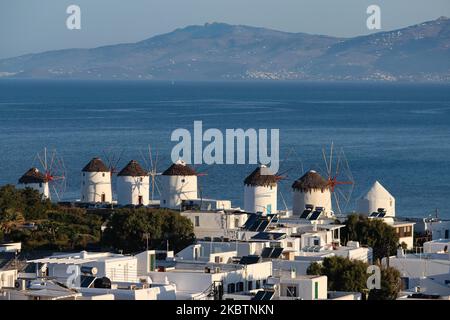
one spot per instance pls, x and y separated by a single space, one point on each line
327 194
179 182
48 176
96 182
133 185
260 191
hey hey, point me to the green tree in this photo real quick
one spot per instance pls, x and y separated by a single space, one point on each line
390 285
351 275
26 201
343 274
127 229
374 233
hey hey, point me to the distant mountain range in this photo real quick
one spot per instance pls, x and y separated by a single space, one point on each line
219 51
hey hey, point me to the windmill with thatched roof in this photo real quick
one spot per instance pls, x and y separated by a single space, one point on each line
35 180
311 191
133 185
260 191
96 182
179 182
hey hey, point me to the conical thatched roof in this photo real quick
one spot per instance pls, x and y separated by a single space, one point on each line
132 169
256 178
310 181
179 168
33 176
96 165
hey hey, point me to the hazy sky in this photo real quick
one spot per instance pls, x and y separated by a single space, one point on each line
28 26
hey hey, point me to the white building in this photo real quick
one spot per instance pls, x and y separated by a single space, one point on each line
440 229
222 223
96 182
133 185
179 182
404 231
260 191
195 280
206 204
291 286
312 192
427 273
377 198
36 180
115 267
11 247
437 246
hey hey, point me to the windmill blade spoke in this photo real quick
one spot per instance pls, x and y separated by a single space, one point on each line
331 159
336 198
156 160
118 159
41 161
51 163
157 188
338 163
326 162
150 155
145 161
56 193
284 201
346 199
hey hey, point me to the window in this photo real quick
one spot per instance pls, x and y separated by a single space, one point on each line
236 222
289 244
141 179
231 288
103 174
316 242
249 285
239 287
316 290
446 234
183 180
336 234
84 174
291 291
404 283
258 284
197 221
196 253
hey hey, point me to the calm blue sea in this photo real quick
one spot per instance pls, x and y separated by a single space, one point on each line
396 133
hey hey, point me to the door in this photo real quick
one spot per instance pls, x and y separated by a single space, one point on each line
103 198
140 200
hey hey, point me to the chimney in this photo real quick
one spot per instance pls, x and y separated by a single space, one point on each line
293 273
